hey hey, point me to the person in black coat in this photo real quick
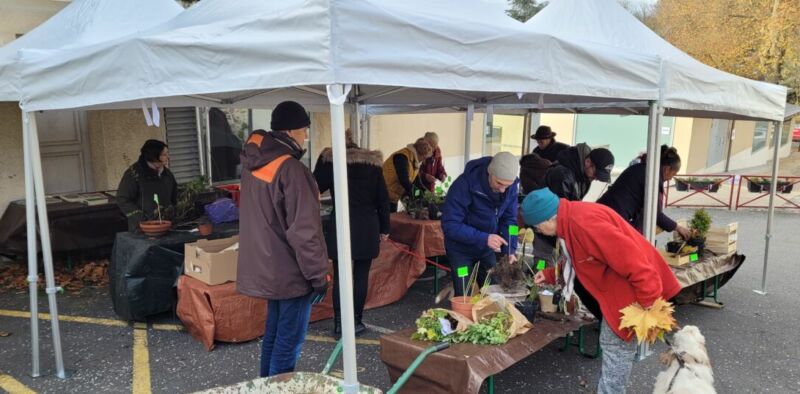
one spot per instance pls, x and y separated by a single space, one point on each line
575 169
548 148
369 219
147 177
626 195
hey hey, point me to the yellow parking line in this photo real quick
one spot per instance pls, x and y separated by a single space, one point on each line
319 338
168 327
141 360
13 386
66 318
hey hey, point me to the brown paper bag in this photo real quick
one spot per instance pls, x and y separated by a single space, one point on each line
492 305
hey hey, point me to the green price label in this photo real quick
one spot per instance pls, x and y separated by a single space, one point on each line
416 193
462 271
155 198
513 230
540 265
693 257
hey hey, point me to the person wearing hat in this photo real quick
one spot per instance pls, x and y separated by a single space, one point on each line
400 170
547 146
432 168
608 264
478 210
148 177
575 170
282 253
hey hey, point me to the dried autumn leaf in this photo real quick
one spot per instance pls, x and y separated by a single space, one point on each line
648 324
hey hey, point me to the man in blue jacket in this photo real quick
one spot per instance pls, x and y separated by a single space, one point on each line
480 206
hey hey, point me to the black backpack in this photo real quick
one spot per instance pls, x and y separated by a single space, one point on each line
532 169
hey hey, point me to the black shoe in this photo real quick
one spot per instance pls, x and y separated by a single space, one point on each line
337 327
360 328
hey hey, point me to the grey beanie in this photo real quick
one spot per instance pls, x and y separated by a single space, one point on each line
504 166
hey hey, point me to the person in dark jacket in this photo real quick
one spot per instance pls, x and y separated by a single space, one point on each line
575 170
400 170
146 178
369 220
548 148
432 169
282 254
532 171
480 206
626 195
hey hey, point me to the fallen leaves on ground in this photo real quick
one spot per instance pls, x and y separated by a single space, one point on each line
648 324
13 277
4 334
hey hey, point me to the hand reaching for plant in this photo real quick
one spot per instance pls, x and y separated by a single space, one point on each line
684 232
512 259
539 278
495 242
384 237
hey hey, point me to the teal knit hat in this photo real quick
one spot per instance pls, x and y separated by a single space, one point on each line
539 206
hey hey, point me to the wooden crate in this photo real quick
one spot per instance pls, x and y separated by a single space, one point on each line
679 260
720 240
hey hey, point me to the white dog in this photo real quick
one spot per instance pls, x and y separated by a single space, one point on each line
689 366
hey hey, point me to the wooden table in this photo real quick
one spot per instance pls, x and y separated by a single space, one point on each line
463 367
423 237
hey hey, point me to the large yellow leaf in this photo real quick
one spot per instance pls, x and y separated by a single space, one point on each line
648 324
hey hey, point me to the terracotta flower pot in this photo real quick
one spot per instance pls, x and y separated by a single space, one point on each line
462 305
205 229
155 228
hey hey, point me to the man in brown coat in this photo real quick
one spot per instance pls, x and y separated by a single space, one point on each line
282 254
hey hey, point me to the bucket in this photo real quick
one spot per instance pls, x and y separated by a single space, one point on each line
462 305
546 301
528 309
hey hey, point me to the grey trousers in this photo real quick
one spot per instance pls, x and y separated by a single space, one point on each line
618 357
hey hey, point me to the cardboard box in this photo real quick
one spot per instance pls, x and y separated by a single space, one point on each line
206 261
720 240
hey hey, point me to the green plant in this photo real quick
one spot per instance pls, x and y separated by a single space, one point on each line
701 222
187 195
492 330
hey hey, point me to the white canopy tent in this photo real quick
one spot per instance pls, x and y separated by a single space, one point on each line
687 86
253 53
82 22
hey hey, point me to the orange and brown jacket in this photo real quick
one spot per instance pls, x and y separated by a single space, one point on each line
282 250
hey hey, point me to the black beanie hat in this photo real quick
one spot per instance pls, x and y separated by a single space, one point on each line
289 115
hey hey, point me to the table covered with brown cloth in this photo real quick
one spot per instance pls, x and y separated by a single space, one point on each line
424 237
692 276
463 367
73 226
220 313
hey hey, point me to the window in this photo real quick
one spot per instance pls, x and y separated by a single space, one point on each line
760 135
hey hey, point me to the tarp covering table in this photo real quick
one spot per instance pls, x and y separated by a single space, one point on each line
219 312
424 237
143 271
73 226
463 367
692 276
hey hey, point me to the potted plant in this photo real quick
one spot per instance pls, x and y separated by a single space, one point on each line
530 305
155 224
700 224
682 185
435 199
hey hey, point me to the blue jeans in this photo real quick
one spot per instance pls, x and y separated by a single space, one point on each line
287 322
460 259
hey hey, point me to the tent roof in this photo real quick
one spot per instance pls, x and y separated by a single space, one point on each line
256 53
791 111
84 22
690 88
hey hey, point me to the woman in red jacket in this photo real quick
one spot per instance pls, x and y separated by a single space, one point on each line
606 260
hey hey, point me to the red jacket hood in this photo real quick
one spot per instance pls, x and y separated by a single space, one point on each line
612 260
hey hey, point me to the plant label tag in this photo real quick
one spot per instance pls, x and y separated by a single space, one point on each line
447 329
463 271
693 257
513 230
155 198
540 265
416 193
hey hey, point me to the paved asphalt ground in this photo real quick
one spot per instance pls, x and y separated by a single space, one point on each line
752 341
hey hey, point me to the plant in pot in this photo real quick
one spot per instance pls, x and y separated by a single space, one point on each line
530 305
190 195
700 224
755 185
682 185
155 224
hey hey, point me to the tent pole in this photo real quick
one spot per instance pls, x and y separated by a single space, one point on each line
651 182
33 268
468 132
488 128
776 135
199 125
526 132
336 96
47 252
208 145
